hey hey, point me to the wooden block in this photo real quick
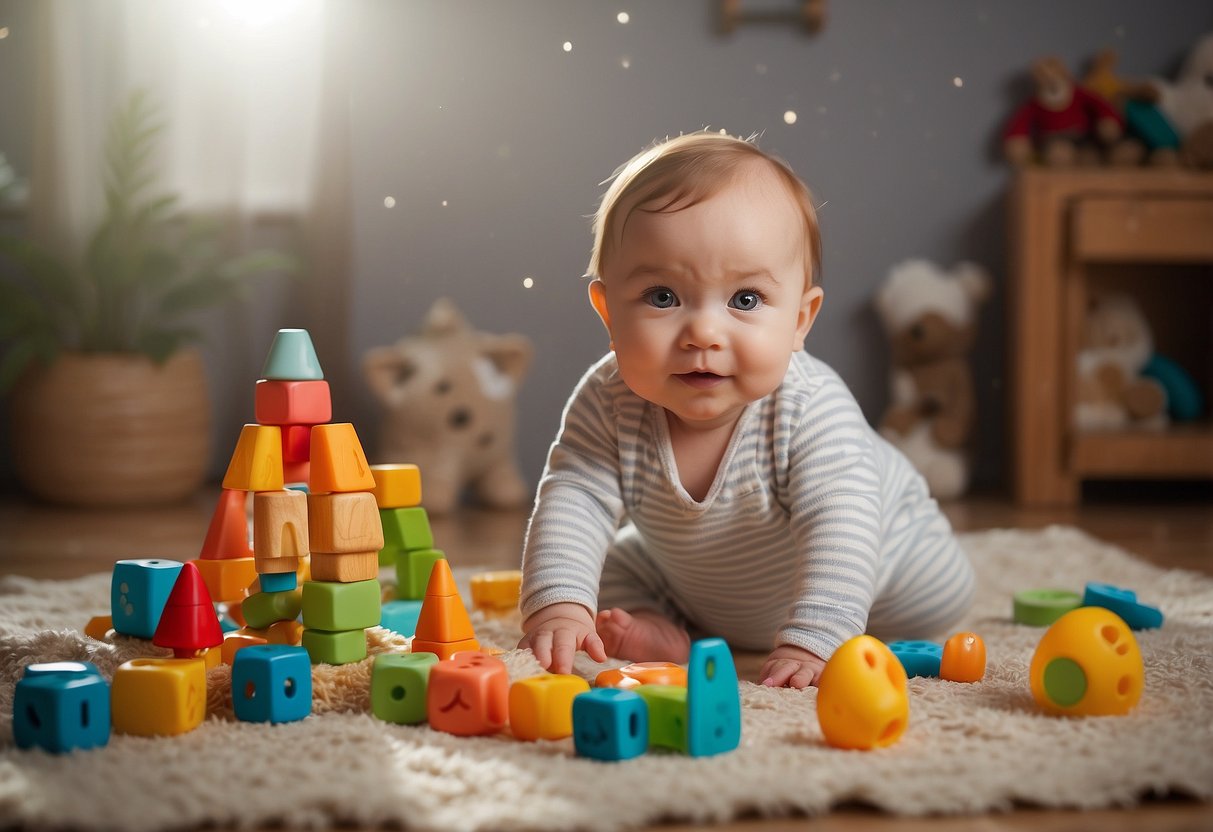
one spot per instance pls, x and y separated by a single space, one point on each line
227 535
279 402
345 567
344 522
227 580
272 565
468 695
280 525
256 463
338 463
541 707
397 485
158 697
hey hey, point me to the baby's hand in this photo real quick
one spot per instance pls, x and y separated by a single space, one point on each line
557 631
791 666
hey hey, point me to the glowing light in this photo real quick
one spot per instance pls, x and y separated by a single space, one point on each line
568 46
528 282
444 203
789 117
626 61
3 32
389 202
958 81
623 17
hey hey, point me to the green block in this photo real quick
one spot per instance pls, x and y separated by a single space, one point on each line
328 605
292 357
388 555
406 528
262 609
413 572
398 686
325 647
667 715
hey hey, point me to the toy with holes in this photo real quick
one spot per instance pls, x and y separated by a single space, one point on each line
272 683
962 658
703 718
862 701
1087 664
61 706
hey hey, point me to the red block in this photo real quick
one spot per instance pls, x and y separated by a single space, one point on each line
296 443
188 623
293 402
227 536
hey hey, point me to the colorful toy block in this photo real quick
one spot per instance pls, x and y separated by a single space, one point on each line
862 701
158 697
400 616
919 658
398 686
468 695
277 582
256 464
188 623
964 658
344 522
227 580
264 608
1041 607
328 605
280 524
272 683
227 535
278 402
138 592
610 724
642 673
1087 664
288 632
346 567
497 591
443 626
406 528
60 707
1124 603
296 444
235 642
397 485
541 707
99 626
292 357
343 647
713 699
413 570
296 475
338 463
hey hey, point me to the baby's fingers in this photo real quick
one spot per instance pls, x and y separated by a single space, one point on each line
777 673
564 645
594 646
541 646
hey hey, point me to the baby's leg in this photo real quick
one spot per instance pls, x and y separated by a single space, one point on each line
642 635
636 621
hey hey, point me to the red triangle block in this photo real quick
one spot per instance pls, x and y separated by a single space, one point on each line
188 623
227 535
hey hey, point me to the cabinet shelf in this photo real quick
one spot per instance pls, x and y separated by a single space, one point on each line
1181 452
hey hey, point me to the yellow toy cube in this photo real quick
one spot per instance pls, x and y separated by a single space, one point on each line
496 591
256 463
397 486
541 707
158 697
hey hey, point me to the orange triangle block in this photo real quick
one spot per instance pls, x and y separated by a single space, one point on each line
227 535
257 461
443 617
338 463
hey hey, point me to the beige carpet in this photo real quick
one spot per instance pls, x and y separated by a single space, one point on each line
969 748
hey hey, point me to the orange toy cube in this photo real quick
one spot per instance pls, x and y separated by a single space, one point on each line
964 658
235 641
642 673
397 485
227 580
468 695
256 463
158 697
496 591
541 707
292 402
227 535
337 460
344 522
280 525
861 697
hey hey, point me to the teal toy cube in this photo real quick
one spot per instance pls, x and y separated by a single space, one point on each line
271 683
333 606
139 590
292 357
919 658
278 582
406 528
398 686
610 724
60 707
713 699
401 616
1124 603
413 569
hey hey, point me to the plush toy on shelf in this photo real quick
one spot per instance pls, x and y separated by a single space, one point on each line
1150 134
1188 104
449 394
1062 124
1112 390
929 316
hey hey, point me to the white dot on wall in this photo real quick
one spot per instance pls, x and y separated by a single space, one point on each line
528 282
623 17
568 46
3 32
958 81
626 61
789 117
444 203
389 202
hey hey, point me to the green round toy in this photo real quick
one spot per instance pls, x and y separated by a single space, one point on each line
1041 607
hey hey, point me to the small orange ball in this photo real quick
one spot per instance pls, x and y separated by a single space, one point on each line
964 658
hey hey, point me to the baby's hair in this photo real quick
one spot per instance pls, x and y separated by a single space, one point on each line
681 172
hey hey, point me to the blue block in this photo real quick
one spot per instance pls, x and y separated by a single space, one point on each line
919 658
271 683
292 357
713 700
138 592
610 724
278 581
400 617
61 706
1124 603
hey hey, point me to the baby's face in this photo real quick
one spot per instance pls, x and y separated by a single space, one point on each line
706 305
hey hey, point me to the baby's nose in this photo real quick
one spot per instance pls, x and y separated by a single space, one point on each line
701 332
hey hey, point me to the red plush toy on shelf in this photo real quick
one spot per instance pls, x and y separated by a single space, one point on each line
1062 124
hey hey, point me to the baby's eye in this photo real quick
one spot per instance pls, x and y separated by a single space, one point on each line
661 297
746 300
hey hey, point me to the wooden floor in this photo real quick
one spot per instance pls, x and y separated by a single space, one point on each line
1172 527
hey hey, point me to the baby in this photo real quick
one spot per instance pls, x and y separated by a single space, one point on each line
710 477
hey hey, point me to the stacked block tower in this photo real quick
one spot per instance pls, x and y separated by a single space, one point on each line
408 542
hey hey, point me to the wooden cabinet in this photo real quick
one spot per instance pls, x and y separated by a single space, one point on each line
1149 232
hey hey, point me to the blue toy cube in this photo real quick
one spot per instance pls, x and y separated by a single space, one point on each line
61 706
919 658
401 616
138 592
610 724
278 581
1124 603
272 683
713 700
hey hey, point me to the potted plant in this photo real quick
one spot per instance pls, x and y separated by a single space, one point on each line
108 394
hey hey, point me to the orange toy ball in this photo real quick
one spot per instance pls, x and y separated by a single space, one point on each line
964 658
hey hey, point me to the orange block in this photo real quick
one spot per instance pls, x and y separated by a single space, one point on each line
284 632
278 402
257 461
227 535
443 617
233 642
338 461
344 522
280 525
99 626
468 696
445 649
227 579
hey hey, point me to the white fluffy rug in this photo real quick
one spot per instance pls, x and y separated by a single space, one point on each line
969 748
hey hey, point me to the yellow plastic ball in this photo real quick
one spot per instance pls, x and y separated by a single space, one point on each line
861 697
1087 664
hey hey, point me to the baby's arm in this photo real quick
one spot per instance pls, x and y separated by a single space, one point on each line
557 631
793 667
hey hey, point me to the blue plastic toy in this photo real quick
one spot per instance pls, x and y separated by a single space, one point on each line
1184 400
278 581
271 683
60 707
138 592
400 616
610 724
1124 603
919 658
713 700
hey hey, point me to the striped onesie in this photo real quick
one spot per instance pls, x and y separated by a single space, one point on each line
814 530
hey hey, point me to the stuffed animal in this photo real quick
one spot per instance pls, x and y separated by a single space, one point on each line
449 394
1149 134
1062 124
1188 104
1112 392
929 316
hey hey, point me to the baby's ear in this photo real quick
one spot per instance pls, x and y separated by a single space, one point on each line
810 305
597 292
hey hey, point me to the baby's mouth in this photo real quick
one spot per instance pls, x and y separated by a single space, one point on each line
700 380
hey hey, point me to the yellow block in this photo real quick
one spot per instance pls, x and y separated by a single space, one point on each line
280 524
158 697
257 461
397 485
496 590
541 707
337 460
227 579
99 626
